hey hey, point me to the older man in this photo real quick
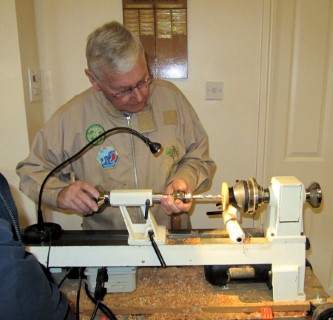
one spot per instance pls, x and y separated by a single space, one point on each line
123 94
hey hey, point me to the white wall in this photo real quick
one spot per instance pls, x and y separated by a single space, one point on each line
13 128
224 44
29 59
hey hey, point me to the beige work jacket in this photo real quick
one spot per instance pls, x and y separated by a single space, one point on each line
120 161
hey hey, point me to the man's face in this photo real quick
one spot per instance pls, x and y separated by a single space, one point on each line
128 91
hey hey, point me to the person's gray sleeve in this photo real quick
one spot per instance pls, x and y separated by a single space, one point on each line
33 170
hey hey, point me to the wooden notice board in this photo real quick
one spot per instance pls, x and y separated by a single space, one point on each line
162 28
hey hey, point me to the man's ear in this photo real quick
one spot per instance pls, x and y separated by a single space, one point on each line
92 79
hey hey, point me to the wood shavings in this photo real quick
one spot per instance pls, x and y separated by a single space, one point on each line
183 293
192 241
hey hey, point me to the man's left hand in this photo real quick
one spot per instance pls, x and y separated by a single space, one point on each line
170 205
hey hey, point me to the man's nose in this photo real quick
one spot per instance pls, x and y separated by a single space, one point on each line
138 94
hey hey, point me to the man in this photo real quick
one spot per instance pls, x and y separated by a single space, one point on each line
27 291
122 94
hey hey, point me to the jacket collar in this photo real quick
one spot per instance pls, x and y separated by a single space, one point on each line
143 121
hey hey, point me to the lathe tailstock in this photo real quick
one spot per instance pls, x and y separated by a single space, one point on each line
279 246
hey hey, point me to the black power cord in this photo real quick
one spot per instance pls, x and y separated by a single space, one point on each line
99 305
78 295
101 278
156 249
62 280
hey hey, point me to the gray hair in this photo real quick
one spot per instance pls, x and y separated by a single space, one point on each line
113 47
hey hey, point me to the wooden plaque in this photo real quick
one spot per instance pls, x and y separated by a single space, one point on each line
162 28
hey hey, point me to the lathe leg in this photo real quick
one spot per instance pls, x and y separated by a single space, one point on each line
288 283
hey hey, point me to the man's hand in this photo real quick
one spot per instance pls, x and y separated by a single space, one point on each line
170 205
78 196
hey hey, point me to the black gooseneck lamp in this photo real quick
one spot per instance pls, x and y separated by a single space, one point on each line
48 231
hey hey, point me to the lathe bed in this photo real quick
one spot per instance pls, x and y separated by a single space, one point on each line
191 248
120 237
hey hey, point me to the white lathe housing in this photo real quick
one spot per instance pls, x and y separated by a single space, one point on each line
282 244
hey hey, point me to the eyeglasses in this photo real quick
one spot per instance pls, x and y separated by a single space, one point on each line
140 85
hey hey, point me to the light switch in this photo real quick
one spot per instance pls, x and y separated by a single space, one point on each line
214 90
35 87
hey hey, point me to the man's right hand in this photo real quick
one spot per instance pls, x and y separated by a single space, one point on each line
78 196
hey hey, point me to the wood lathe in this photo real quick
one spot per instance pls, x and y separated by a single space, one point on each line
277 251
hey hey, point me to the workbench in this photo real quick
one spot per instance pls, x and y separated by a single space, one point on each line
183 293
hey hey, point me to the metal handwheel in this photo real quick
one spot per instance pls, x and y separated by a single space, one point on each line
323 312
